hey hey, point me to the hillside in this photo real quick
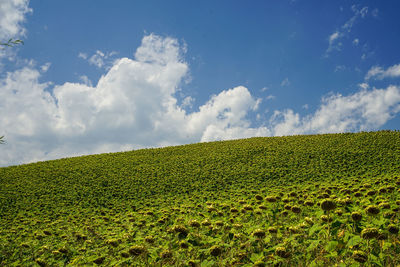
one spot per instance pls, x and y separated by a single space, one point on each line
49 211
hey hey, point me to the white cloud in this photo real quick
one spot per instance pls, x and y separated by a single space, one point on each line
100 59
364 110
333 44
340 68
375 13
134 105
155 49
85 79
356 41
224 116
285 82
97 59
364 85
379 73
45 67
12 15
82 55
364 11
363 56
334 38
374 71
188 102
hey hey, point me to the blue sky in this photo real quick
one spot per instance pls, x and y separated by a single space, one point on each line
102 76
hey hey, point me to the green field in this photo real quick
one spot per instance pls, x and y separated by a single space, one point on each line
315 200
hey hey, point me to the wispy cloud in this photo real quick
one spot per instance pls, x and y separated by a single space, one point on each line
285 82
85 79
82 55
380 73
339 68
345 29
187 102
99 58
364 85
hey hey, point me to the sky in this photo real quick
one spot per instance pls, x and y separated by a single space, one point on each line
105 76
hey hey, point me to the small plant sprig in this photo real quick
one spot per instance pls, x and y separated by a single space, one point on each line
11 43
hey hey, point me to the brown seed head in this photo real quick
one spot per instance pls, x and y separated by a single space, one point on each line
356 216
328 204
372 210
296 209
259 233
360 256
369 233
282 252
393 229
215 250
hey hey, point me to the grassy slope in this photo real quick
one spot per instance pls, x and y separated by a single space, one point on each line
128 181
252 163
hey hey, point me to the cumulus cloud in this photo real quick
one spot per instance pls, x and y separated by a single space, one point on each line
364 110
12 15
225 115
134 105
379 73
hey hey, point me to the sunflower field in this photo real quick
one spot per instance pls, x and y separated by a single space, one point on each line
307 200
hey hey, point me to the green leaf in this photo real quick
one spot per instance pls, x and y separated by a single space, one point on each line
387 245
333 254
207 263
331 246
336 224
347 236
314 228
379 222
355 240
313 245
375 259
255 256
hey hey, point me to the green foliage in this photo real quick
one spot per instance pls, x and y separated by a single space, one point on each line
1 139
11 43
321 200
